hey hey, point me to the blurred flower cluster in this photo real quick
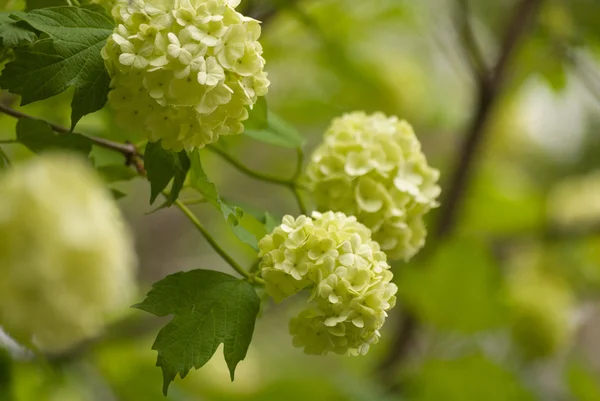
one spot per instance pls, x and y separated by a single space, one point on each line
66 257
576 201
541 304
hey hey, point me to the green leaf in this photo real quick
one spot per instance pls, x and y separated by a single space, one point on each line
539 57
285 130
183 166
117 194
265 126
270 137
271 222
499 189
14 33
209 308
258 117
95 7
163 166
460 289
4 160
232 214
583 383
68 57
116 172
469 378
38 136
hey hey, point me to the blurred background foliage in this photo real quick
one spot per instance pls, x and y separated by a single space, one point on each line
503 306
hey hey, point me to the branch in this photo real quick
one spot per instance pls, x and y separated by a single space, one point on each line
248 171
291 183
488 91
132 157
476 59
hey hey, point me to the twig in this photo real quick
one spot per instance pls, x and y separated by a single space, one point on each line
291 183
132 157
214 244
248 171
488 91
474 55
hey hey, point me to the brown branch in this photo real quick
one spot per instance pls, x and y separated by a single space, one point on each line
489 89
132 157
465 29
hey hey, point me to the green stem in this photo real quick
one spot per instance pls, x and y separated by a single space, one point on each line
292 183
194 202
301 204
8 141
296 188
248 171
299 164
213 243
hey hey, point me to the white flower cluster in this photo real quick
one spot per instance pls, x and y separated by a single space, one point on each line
184 71
349 278
66 257
372 167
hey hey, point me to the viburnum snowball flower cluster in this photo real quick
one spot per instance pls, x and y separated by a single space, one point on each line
372 167
185 71
66 257
348 276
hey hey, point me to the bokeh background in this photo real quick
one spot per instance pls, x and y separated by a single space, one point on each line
501 304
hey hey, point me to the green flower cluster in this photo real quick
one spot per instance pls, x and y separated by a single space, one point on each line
372 167
347 273
66 257
541 308
184 71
